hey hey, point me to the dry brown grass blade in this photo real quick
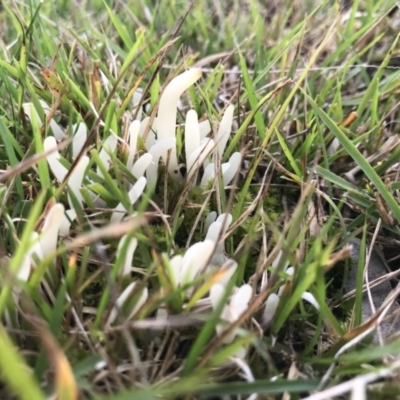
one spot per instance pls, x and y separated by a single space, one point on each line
64 382
358 333
372 284
170 322
213 58
350 118
31 161
95 85
388 147
109 231
160 55
340 255
342 388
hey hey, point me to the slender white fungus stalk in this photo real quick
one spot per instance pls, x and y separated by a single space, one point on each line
133 195
133 136
197 158
130 250
53 159
271 305
31 112
136 99
216 293
240 301
158 150
167 110
69 216
168 105
109 146
75 181
237 306
24 270
224 130
79 140
192 136
233 168
151 137
231 312
208 174
141 165
307 296
28 262
195 260
217 230
204 128
56 129
333 147
211 217
121 301
176 269
52 223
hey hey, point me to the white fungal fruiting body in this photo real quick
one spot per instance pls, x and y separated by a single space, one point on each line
215 233
272 302
80 136
271 305
184 269
232 311
141 165
205 256
108 148
133 136
161 144
224 130
167 111
34 118
195 260
75 181
44 243
168 105
197 158
122 299
131 244
201 151
53 159
49 234
192 136
157 151
133 195
34 249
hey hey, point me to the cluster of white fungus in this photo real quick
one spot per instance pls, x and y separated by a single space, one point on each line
202 153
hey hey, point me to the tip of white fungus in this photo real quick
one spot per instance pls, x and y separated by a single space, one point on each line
216 293
241 298
49 143
270 308
54 216
211 217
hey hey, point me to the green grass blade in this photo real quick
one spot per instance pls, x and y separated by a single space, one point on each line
357 157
